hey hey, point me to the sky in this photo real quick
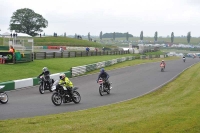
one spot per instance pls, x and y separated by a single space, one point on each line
108 16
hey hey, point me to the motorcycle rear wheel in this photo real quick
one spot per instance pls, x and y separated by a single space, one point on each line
56 99
49 86
41 89
76 97
5 99
101 90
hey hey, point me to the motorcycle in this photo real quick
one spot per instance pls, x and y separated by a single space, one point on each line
162 67
103 87
3 96
62 94
45 83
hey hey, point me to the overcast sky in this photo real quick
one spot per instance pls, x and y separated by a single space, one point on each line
133 16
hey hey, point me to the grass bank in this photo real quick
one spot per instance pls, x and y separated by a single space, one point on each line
55 65
64 41
175 108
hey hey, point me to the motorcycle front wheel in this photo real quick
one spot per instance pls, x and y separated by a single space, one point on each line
56 99
108 91
4 98
101 90
76 97
41 89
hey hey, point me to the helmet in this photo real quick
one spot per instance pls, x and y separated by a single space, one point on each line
102 70
162 60
45 69
62 76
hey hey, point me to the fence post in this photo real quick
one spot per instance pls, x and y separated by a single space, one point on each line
69 54
75 53
81 54
45 55
54 54
34 55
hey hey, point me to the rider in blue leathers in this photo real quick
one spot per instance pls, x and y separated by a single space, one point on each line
104 75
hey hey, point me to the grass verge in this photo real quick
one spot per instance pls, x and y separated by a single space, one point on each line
55 65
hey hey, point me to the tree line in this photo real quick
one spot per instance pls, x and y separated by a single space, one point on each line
27 21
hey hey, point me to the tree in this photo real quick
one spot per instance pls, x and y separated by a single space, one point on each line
156 36
172 37
27 21
141 35
127 36
117 35
188 37
113 35
100 36
65 34
89 38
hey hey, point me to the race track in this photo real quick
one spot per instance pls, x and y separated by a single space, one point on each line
129 82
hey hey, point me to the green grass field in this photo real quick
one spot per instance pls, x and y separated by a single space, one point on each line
177 40
55 65
64 41
175 108
47 41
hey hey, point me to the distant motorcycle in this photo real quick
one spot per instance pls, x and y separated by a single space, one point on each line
184 59
103 87
162 67
45 83
62 94
3 96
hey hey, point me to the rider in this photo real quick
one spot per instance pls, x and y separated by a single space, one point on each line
104 75
163 62
66 82
45 72
183 57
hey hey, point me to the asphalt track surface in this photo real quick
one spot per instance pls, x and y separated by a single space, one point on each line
129 82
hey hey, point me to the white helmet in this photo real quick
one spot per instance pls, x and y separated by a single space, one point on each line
45 69
62 76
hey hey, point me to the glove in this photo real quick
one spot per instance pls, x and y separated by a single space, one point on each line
62 83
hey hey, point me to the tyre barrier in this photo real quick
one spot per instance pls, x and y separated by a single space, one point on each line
80 70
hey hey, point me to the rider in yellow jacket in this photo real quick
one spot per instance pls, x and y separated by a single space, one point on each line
65 81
